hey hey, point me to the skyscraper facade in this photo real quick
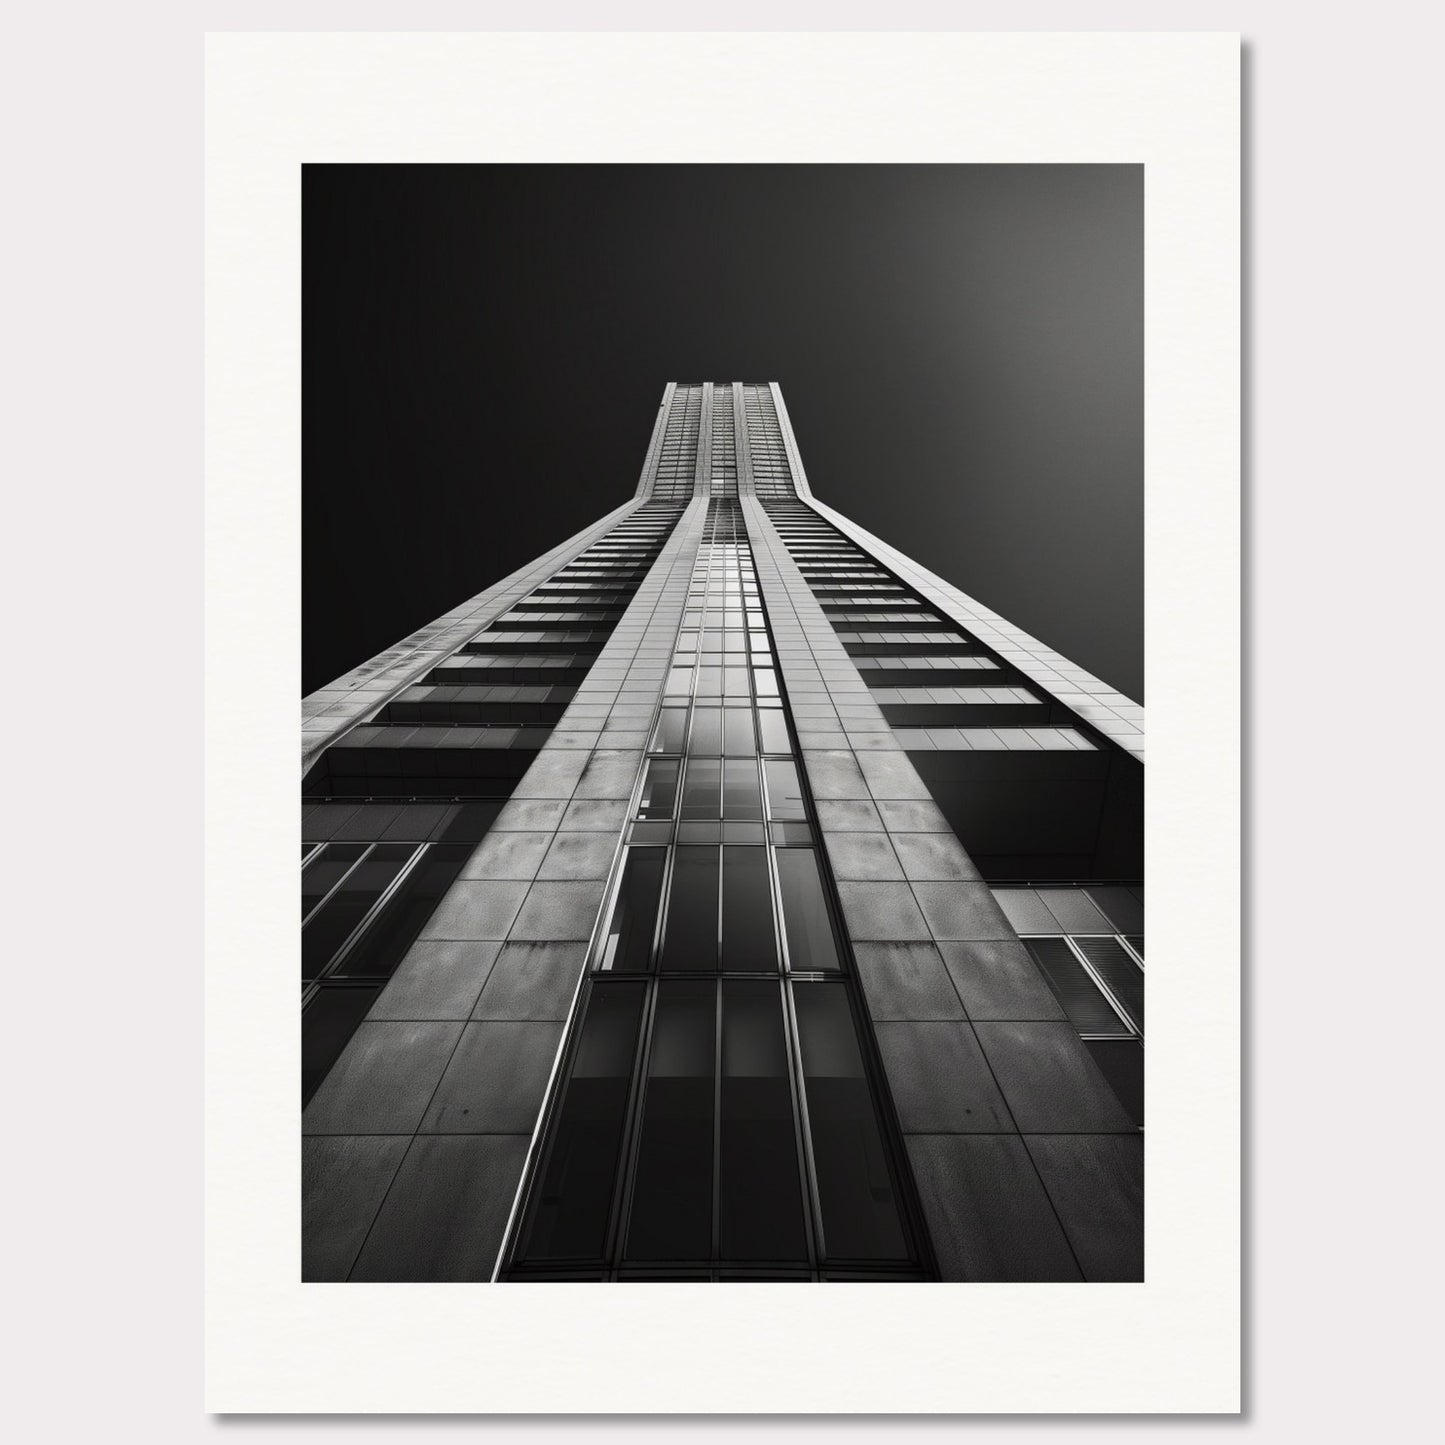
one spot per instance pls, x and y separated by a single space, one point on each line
722 896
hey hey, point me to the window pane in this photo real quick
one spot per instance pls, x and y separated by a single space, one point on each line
671 730
325 871
774 730
701 793
569 1209
765 681
735 682
1123 976
706 731
861 1217
1088 1010
806 924
709 682
747 915
395 928
692 924
742 797
627 948
679 682
741 739
659 788
672 1193
785 791
760 1198
333 923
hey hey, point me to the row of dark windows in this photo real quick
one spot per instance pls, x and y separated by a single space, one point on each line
680 1136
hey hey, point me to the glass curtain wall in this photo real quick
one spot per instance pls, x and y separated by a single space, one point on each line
717 1115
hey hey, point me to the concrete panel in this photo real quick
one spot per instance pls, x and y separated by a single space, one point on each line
940 1080
437 981
1096 1183
343 1181
383 1080
444 1216
495 1080
988 1215
906 981
1050 1082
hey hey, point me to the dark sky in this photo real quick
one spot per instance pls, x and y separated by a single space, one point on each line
960 349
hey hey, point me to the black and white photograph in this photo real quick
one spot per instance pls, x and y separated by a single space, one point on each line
717 507
722 835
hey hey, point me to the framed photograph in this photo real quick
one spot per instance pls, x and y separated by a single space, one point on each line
720 502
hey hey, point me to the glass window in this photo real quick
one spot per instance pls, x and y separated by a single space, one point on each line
334 922
701 791
709 681
760 1204
659 788
735 682
785 791
741 738
325 870
742 796
706 731
806 924
1123 977
692 912
672 1193
671 730
748 942
395 928
765 681
627 946
774 730
679 682
1087 1008
861 1217
571 1202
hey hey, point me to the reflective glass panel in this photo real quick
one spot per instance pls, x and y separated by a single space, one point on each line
572 1199
671 730
861 1217
760 1203
748 943
774 730
742 798
659 788
672 1194
627 945
740 736
702 788
692 921
806 924
334 922
785 791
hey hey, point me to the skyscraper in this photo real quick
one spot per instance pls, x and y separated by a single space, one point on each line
722 896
